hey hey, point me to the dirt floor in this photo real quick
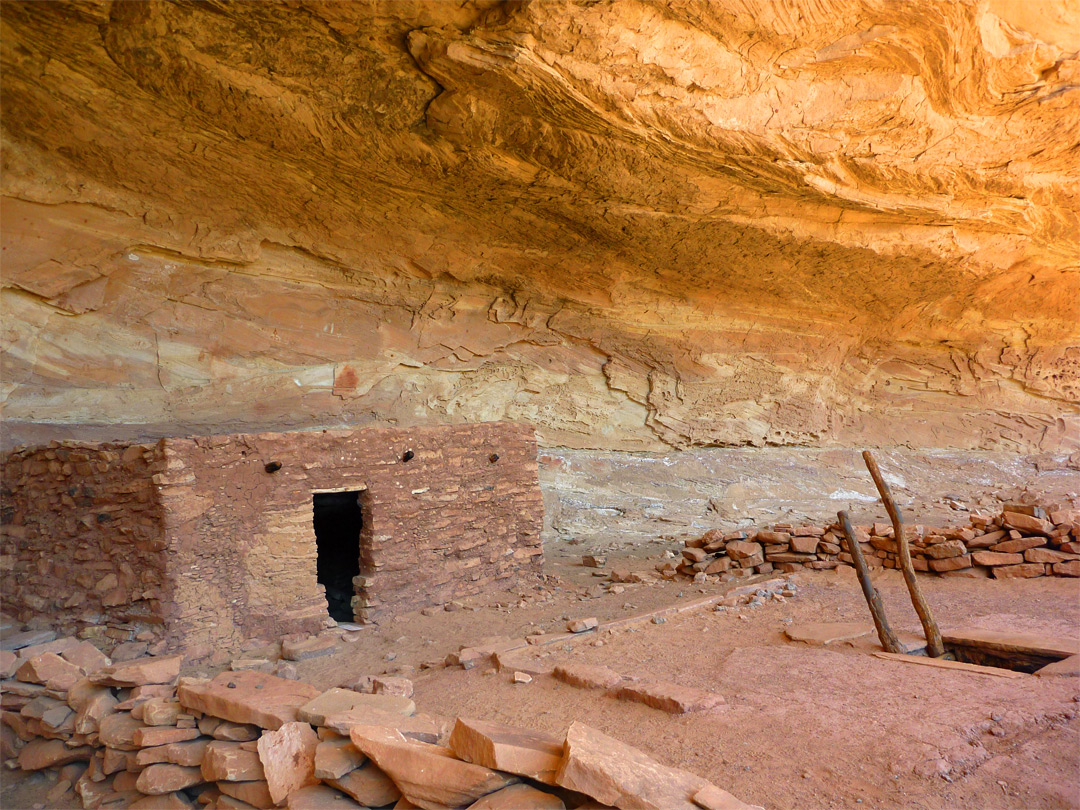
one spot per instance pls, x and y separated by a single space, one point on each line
803 727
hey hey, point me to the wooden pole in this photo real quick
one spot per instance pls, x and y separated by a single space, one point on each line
877 610
934 647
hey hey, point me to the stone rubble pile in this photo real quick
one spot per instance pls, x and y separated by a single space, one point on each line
137 735
1025 540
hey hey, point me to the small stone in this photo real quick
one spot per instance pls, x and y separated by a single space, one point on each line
521 677
390 685
582 625
593 561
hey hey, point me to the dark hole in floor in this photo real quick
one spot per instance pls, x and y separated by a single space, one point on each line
1016 661
338 519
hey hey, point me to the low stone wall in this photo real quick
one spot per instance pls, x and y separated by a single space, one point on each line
137 735
82 541
1025 541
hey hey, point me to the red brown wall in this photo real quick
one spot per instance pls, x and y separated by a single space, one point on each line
82 540
241 545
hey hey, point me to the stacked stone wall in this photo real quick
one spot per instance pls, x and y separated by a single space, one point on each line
82 541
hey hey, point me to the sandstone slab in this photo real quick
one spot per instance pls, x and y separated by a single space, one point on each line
335 758
51 671
420 727
1048 555
253 697
117 730
426 774
189 753
321 797
992 558
40 753
338 701
157 779
621 776
16 641
825 633
140 671
587 676
711 797
1066 667
148 736
1022 571
230 762
519 797
288 758
256 793
951 563
369 785
86 657
1019 545
669 697
507 748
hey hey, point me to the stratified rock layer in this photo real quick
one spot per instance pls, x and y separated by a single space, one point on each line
635 225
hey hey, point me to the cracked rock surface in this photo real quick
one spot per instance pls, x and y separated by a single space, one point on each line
636 225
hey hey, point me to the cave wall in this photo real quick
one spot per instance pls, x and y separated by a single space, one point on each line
634 225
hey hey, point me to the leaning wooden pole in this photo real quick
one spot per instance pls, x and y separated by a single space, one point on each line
934 646
877 610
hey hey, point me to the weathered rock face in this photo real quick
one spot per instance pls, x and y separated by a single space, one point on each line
635 225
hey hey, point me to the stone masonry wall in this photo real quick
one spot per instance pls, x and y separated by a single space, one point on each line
464 512
82 541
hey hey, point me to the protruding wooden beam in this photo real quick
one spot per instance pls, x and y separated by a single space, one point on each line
877 610
934 647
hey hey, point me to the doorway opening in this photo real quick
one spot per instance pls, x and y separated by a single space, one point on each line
338 520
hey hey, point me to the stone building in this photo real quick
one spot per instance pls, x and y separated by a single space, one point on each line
209 541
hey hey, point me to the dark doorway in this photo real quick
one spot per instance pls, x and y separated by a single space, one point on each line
338 518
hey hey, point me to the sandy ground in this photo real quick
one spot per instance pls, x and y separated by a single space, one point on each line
803 727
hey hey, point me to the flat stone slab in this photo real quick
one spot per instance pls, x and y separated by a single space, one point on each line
823 633
368 785
587 676
1030 643
307 648
288 759
253 697
321 797
506 748
619 775
338 701
956 666
140 672
519 797
420 727
670 697
335 758
426 774
1068 667
16 641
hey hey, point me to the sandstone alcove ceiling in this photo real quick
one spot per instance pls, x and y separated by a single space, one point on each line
635 225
